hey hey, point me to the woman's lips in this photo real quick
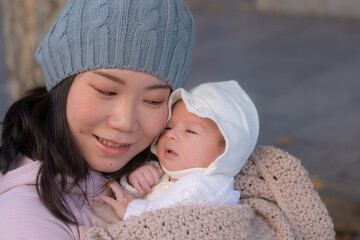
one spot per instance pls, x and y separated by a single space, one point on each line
110 144
111 148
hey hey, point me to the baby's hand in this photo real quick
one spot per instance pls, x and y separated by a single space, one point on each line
121 201
144 177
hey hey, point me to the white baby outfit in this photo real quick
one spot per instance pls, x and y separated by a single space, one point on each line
227 104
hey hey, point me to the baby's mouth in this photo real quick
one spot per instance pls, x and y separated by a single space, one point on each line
170 151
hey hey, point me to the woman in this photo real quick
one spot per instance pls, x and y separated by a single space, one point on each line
109 67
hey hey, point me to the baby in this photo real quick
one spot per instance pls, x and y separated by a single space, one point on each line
210 133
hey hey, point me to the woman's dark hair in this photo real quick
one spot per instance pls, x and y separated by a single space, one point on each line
36 127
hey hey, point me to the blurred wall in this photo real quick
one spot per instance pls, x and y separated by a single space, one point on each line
327 8
25 23
321 8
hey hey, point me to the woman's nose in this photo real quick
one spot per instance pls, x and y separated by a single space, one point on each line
124 118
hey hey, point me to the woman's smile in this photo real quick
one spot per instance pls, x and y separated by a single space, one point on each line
111 148
110 143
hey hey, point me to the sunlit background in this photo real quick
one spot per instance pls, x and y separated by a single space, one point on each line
298 60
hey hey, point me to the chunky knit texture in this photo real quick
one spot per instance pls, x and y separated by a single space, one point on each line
278 188
278 202
182 223
152 36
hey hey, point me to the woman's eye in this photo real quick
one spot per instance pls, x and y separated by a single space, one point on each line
190 131
106 93
151 102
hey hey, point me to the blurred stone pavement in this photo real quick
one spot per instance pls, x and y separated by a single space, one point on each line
303 74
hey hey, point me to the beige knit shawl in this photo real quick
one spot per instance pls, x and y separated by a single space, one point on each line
278 201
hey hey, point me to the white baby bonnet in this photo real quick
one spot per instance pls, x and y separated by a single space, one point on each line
228 105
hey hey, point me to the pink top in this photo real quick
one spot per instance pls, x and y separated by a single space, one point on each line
23 216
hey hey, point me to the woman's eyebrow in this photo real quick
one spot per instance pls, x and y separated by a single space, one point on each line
159 86
109 76
121 81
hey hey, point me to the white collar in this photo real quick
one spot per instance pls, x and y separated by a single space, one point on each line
179 174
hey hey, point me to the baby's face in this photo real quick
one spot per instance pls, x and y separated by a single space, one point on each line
189 141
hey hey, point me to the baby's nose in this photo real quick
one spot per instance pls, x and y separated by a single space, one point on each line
171 135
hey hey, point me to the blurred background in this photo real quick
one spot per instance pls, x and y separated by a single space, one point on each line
298 60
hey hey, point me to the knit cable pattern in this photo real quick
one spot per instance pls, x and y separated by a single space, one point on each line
151 36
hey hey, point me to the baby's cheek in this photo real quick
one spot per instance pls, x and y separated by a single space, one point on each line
193 158
160 145
206 157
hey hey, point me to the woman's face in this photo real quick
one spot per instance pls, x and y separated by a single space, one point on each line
114 114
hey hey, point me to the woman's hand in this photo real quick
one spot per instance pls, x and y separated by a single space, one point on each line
121 201
144 177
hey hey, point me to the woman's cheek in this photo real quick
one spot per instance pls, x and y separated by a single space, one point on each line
84 112
156 122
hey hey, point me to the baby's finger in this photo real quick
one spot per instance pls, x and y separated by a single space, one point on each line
156 174
128 197
160 172
134 181
117 190
112 202
146 181
150 176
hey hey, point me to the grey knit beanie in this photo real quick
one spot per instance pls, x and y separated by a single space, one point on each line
152 36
